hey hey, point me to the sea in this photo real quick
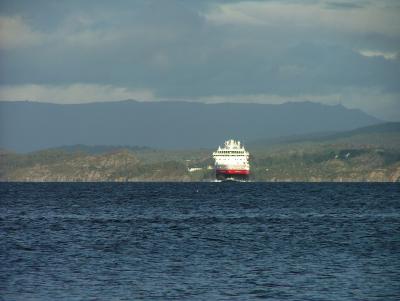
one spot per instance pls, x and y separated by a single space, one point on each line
199 241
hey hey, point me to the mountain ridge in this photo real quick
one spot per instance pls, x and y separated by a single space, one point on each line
385 128
381 128
29 126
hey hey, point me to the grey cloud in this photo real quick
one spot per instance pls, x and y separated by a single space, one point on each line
174 51
344 5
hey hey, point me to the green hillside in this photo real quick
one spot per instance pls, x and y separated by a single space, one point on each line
365 154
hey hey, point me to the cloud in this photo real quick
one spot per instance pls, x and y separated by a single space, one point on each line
356 18
271 98
15 33
75 93
80 30
212 50
377 53
343 5
85 31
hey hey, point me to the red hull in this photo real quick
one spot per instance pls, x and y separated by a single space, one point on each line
232 171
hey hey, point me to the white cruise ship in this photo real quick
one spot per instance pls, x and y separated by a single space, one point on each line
231 161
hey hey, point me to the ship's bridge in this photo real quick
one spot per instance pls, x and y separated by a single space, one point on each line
231 148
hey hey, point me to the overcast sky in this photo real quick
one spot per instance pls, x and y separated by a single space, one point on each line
332 52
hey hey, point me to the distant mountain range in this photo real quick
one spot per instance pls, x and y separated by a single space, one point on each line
28 126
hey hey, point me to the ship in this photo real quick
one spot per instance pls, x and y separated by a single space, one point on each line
232 162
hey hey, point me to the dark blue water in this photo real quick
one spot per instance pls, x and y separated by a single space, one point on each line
199 241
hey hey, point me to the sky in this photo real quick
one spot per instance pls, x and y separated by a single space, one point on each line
327 51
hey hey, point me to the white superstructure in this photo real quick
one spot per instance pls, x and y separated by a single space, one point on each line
231 160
